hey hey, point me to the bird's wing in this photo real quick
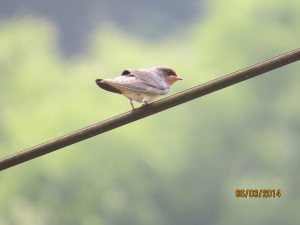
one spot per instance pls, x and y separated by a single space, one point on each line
144 80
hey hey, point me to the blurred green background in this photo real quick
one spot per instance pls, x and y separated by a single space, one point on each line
181 166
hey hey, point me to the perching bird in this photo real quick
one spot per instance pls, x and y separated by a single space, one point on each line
141 85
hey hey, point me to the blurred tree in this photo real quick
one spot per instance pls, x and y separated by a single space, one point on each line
76 19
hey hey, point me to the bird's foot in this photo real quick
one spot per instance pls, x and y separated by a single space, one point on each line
144 103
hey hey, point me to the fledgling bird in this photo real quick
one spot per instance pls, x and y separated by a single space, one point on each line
141 85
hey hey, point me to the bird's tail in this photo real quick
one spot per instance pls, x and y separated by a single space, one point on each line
101 83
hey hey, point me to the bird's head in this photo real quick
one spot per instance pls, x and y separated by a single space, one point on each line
168 74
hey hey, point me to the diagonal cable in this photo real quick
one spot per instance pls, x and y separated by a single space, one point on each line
150 109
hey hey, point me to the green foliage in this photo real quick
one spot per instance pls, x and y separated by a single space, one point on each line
181 166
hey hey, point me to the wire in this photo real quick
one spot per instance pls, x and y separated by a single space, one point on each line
150 109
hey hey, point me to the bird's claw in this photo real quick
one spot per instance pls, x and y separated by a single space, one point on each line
144 103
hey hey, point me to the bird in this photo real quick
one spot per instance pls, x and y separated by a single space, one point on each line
141 85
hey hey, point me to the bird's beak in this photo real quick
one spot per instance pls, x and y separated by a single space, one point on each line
179 78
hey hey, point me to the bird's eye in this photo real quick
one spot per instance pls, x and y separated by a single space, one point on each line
170 72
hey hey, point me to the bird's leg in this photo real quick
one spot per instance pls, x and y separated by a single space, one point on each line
144 103
130 101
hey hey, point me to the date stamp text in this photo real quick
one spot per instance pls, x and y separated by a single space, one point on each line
262 193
